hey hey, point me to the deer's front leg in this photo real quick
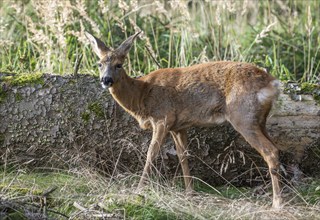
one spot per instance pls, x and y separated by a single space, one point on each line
159 133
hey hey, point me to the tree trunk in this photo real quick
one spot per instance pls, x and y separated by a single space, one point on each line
68 121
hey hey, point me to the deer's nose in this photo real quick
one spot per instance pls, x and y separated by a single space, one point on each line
107 81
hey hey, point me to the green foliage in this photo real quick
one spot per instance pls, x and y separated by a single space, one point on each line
21 194
135 207
24 79
18 191
70 189
85 116
15 215
97 109
147 211
313 89
304 88
18 97
3 95
22 184
309 87
280 35
311 192
230 192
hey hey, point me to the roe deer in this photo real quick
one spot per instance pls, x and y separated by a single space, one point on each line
174 99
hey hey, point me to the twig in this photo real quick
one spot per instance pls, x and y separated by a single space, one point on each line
77 64
59 213
43 199
87 211
49 191
78 206
24 207
154 59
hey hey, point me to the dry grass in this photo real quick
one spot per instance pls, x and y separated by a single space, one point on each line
48 36
87 195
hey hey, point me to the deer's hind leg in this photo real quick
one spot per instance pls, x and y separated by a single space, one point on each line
180 140
252 127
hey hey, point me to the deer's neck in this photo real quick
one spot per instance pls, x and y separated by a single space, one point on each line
128 93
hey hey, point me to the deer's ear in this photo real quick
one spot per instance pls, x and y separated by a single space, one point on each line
97 45
124 48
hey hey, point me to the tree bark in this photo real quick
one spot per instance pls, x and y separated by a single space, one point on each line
69 122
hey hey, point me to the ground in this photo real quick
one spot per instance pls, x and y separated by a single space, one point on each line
75 194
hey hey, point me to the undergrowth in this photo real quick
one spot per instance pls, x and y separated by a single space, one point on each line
87 195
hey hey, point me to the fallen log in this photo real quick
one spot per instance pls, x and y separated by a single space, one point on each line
69 121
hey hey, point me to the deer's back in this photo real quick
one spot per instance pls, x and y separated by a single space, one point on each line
201 94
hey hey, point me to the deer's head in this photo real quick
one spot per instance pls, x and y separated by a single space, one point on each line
111 61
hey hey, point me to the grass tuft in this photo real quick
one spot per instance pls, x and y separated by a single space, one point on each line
87 195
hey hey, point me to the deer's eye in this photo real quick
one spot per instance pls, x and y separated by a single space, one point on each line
99 65
119 66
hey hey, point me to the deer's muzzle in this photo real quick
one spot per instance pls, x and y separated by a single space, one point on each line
106 82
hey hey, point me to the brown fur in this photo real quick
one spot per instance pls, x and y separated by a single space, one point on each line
174 99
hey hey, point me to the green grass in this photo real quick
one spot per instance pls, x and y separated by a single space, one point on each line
87 195
23 79
97 109
72 188
279 35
